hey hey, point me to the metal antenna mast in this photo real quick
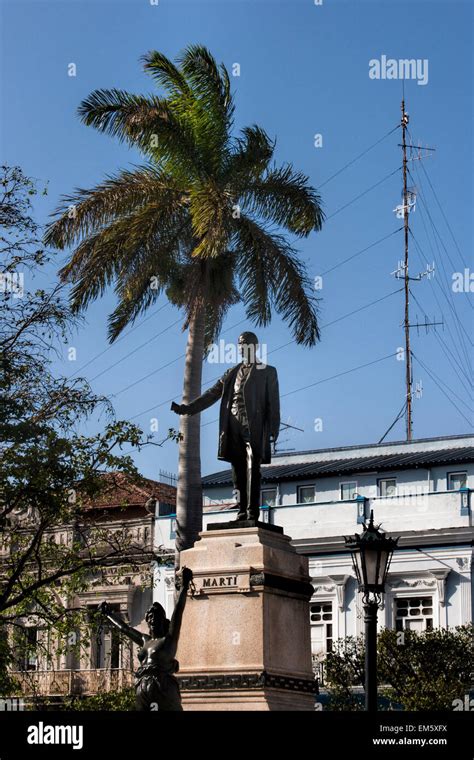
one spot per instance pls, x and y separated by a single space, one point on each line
409 203
408 371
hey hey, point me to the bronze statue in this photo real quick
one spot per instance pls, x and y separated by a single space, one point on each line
155 685
249 421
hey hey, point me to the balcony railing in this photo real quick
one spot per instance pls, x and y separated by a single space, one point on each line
62 683
406 511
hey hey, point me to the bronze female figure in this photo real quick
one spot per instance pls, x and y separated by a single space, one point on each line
156 686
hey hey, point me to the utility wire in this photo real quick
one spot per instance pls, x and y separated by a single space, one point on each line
340 374
146 343
441 209
457 323
274 350
450 389
326 379
363 250
364 152
446 350
145 377
123 337
399 415
442 389
358 253
164 366
461 358
372 187
444 216
420 254
425 205
440 380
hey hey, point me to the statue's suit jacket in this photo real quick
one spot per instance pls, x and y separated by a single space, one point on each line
262 402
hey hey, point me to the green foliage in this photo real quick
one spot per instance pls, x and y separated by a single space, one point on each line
429 670
105 701
344 669
419 671
7 683
49 470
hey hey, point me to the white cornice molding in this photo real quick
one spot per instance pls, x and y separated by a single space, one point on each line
408 539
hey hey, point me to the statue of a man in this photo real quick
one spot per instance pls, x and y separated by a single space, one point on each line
249 421
155 684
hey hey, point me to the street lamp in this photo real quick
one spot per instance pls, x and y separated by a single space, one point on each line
371 556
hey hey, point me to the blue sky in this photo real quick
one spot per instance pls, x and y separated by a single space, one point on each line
304 70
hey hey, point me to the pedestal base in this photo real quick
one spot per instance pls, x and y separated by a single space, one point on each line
262 700
245 640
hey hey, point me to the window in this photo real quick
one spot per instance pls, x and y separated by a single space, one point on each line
268 497
457 480
31 644
414 613
306 494
321 627
166 509
387 487
348 490
105 645
173 527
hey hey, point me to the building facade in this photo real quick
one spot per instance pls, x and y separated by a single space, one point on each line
419 491
96 660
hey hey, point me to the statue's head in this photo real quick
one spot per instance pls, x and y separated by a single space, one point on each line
157 621
248 343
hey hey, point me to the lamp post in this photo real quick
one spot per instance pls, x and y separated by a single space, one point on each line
371 555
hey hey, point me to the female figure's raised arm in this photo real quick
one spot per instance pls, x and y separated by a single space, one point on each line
177 616
118 622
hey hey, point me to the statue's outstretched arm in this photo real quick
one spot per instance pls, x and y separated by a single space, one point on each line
118 622
205 400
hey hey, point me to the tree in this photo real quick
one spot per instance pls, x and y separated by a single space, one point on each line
106 701
201 221
344 669
417 671
428 670
49 471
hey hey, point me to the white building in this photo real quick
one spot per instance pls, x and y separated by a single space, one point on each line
419 491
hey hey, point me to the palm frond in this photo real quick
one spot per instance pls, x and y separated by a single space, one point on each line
210 113
88 211
285 197
115 111
249 157
211 221
210 81
165 73
145 122
108 254
271 274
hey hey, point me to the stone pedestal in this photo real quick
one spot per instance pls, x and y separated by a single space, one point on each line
245 640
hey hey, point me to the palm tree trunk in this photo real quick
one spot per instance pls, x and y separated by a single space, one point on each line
189 496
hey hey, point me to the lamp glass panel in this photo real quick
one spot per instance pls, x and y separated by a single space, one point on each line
371 566
384 557
357 562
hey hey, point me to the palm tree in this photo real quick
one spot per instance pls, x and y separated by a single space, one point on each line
200 221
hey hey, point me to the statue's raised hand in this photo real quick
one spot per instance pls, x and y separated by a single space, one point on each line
187 576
